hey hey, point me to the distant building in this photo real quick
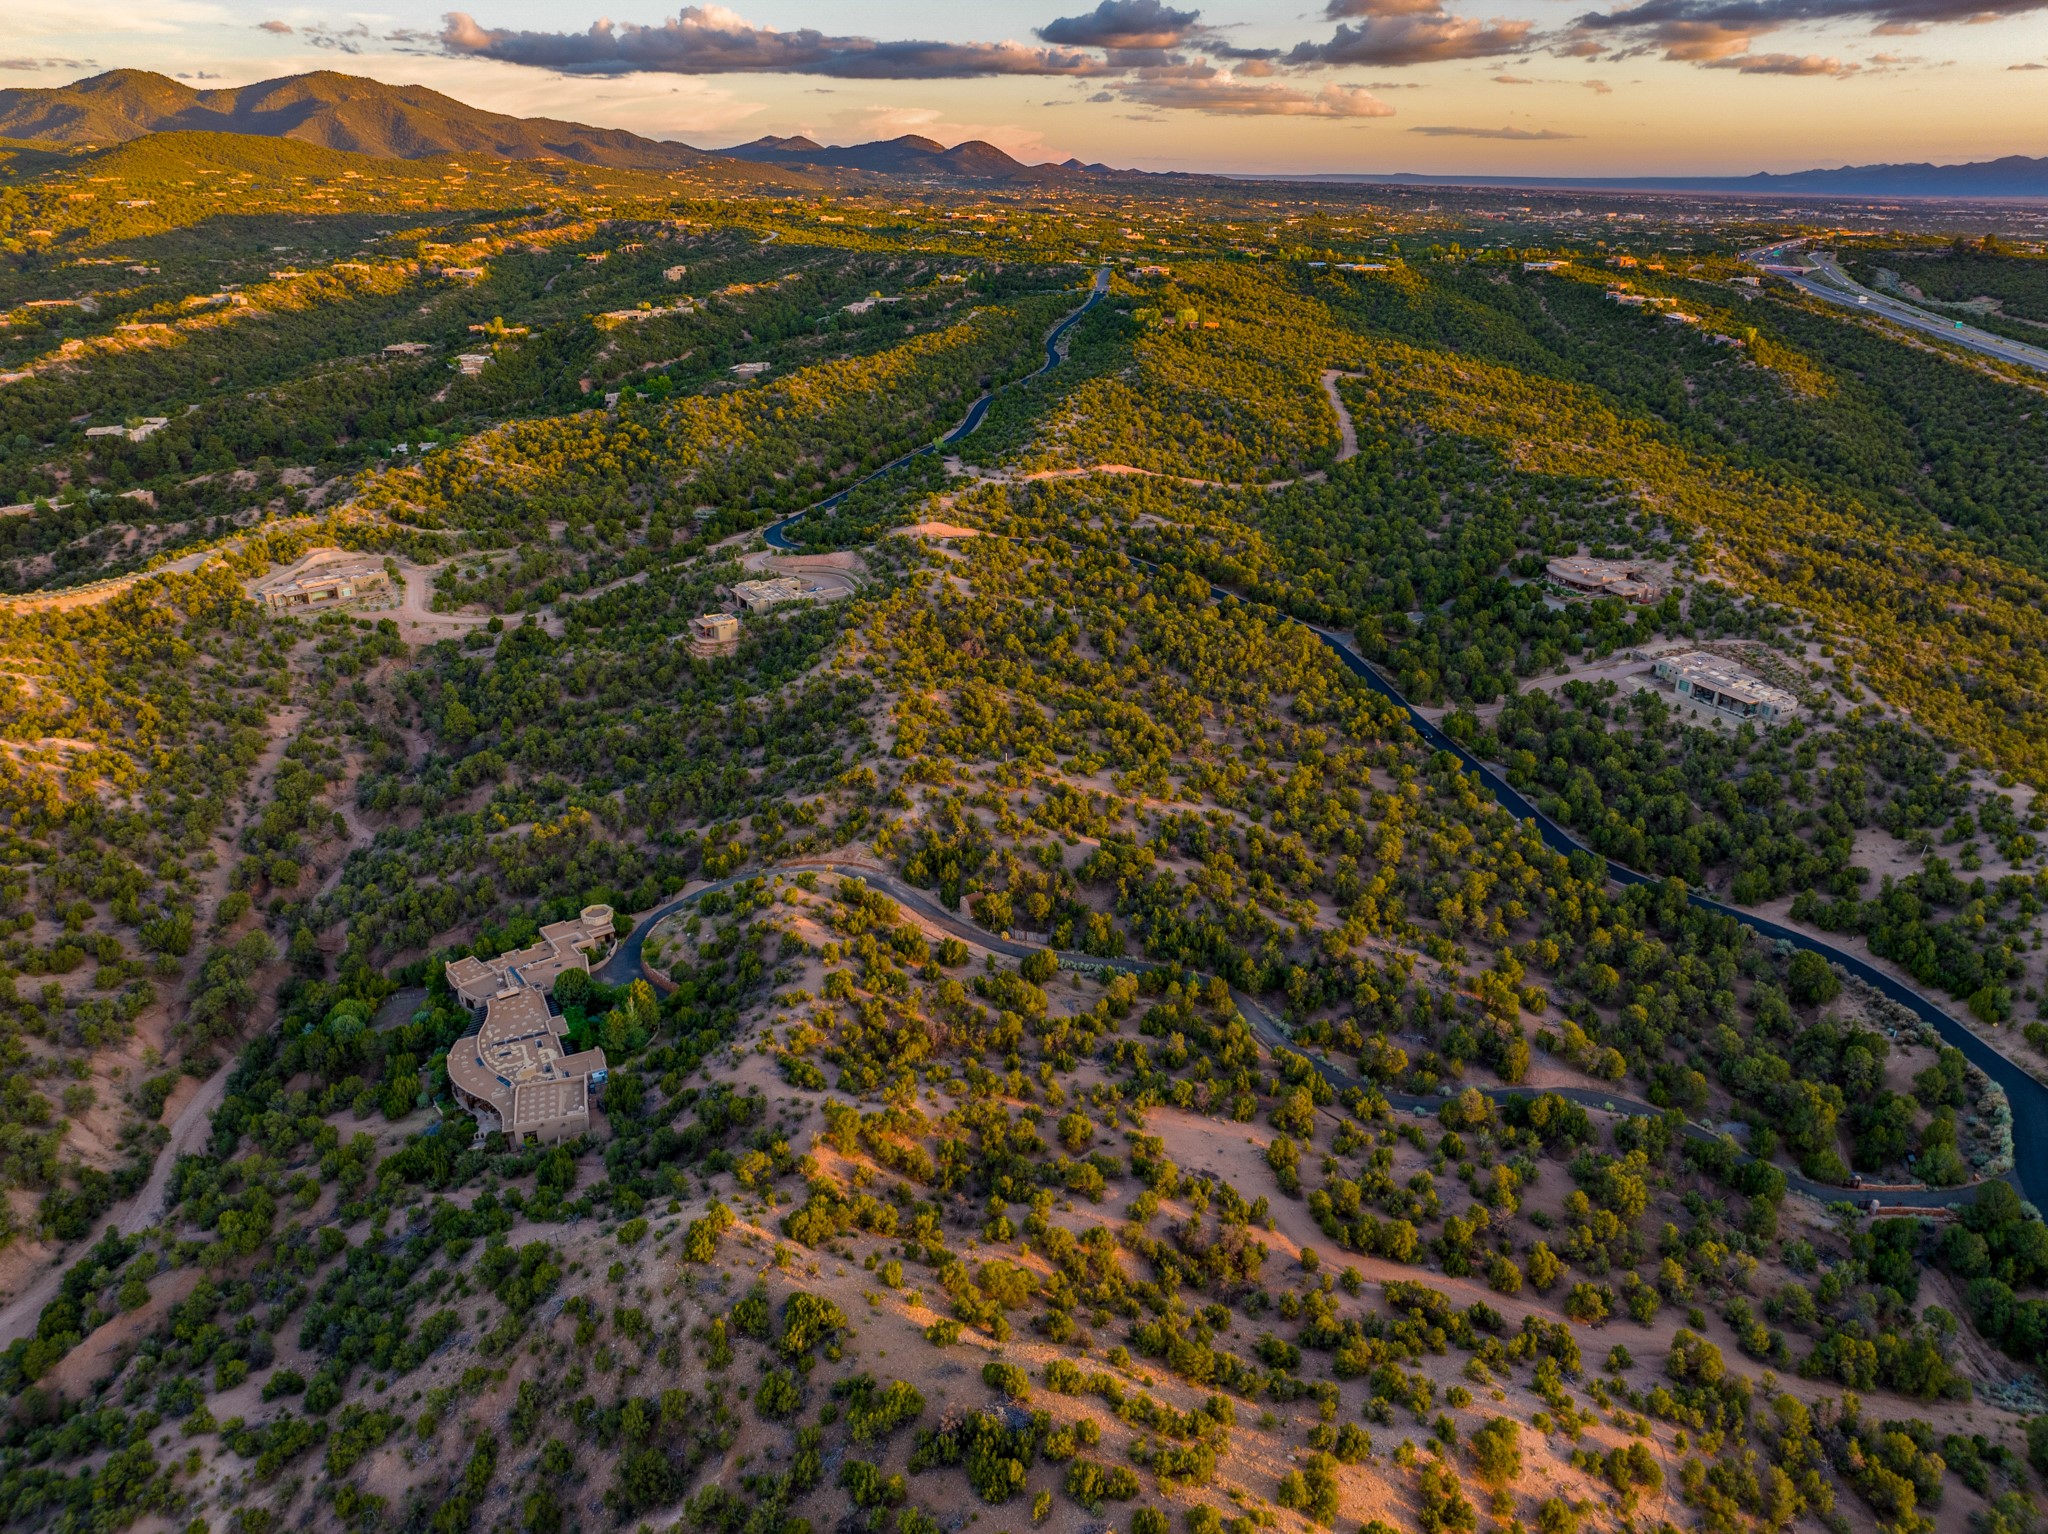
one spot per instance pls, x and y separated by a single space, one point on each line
1724 686
559 950
323 578
1543 266
472 363
150 426
1361 266
749 369
675 273
464 273
406 349
1605 578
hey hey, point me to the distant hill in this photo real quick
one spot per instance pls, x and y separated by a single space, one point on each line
337 111
2003 179
910 155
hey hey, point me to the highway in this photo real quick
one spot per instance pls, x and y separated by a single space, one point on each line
1833 285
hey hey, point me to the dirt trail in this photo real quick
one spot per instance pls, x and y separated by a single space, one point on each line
188 1132
1347 448
1007 477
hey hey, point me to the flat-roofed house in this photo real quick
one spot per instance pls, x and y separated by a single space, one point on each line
560 948
1605 578
322 578
759 596
517 1074
1712 682
714 634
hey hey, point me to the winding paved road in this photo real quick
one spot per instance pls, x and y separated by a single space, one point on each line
774 533
2028 1098
626 964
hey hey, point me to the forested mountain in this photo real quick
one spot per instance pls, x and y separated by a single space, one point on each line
335 110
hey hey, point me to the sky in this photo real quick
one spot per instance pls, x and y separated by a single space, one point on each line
1525 87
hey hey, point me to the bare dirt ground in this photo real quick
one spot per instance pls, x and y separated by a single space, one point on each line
418 621
1347 432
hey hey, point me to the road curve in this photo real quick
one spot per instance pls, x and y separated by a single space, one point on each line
774 532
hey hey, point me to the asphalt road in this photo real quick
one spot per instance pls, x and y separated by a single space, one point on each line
2029 1099
774 533
625 964
1835 286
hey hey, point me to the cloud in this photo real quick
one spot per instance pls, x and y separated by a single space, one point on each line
1203 88
2029 65
278 27
1123 24
1598 87
711 40
1512 80
1784 64
1411 33
25 66
1518 135
1709 32
338 39
1348 10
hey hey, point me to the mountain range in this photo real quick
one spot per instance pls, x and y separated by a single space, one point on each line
367 116
2013 176
411 122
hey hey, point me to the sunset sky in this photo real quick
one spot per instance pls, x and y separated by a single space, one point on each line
1522 86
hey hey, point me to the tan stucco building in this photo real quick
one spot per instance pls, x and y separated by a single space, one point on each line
516 1073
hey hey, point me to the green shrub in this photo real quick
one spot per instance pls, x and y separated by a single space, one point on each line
1011 1380
777 1397
1092 1484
